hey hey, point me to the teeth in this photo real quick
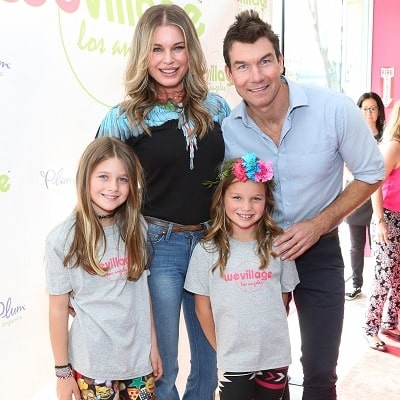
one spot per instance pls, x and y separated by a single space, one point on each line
257 90
245 216
168 71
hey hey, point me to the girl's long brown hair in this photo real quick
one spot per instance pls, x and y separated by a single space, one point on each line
89 241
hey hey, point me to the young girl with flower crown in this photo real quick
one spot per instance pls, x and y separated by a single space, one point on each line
241 289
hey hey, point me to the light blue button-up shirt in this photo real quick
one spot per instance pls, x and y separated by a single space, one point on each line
322 130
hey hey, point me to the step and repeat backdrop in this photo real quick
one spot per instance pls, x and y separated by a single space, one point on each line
61 68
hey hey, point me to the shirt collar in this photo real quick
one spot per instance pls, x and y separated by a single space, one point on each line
297 98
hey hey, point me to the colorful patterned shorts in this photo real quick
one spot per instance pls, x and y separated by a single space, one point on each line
141 388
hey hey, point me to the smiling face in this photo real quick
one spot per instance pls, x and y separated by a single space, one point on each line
169 61
109 186
255 71
244 204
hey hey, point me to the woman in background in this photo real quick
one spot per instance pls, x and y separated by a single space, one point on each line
359 220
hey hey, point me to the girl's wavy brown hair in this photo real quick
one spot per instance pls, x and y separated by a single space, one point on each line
220 229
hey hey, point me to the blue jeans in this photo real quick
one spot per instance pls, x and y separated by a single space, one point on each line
171 253
319 299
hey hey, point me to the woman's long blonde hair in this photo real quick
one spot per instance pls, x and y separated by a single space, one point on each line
220 229
88 238
392 129
141 88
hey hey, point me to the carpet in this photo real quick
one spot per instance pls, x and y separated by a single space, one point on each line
374 376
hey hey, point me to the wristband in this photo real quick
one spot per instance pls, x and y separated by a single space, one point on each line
63 371
62 366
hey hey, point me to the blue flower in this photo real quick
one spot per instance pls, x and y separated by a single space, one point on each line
250 165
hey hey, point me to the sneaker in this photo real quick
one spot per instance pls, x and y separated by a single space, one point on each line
353 294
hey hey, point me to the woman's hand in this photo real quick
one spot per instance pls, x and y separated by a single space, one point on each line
382 232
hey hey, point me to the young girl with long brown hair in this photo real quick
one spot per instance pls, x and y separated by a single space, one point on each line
97 261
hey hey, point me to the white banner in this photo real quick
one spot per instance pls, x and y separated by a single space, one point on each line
61 68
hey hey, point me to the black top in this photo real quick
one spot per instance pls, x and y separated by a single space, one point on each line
174 192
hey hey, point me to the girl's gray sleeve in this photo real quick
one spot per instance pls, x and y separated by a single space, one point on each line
289 276
197 276
57 276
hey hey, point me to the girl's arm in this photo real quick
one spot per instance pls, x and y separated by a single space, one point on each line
58 324
204 314
155 358
391 155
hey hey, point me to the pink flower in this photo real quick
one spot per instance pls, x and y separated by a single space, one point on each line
265 172
239 171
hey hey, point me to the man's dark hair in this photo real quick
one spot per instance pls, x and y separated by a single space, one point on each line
248 28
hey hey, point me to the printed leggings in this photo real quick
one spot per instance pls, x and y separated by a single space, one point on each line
141 388
386 281
260 385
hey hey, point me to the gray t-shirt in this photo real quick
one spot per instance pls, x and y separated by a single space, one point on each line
110 336
250 318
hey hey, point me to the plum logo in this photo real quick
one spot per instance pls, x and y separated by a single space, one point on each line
55 178
4 66
10 312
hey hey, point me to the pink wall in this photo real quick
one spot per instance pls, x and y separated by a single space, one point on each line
386 51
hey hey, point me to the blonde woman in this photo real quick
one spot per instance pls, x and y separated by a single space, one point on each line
386 243
173 124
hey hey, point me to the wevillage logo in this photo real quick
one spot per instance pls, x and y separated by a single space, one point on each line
217 79
257 5
10 312
96 37
54 178
5 183
248 277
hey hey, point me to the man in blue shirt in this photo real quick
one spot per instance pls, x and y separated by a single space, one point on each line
308 133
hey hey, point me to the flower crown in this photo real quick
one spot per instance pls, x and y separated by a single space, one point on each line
246 167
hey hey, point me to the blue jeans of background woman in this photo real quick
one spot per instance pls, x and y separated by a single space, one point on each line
171 254
319 299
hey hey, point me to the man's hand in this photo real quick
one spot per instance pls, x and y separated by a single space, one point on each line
297 239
